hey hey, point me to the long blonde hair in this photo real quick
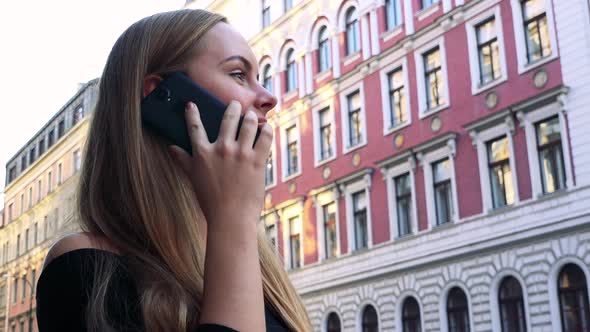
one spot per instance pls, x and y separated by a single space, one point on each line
132 192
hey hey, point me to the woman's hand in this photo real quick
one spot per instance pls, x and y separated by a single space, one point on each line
228 174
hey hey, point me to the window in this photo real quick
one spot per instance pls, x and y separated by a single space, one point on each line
50 138
267 78
23 163
500 173
78 115
12 174
536 29
397 104
573 299
15 291
265 13
428 3
77 160
41 146
30 197
393 13
403 199
270 229
352 32
457 311
295 242
59 174
26 240
370 322
326 144
269 171
45 226
359 210
22 203
18 245
330 238
411 316
355 133
22 326
488 51
443 197
10 211
434 79
324 54
292 151
512 313
35 233
550 153
24 288
49 182
291 71
333 323
32 156
287 4
33 279
39 187
61 129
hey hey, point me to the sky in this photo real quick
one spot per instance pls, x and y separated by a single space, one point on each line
46 49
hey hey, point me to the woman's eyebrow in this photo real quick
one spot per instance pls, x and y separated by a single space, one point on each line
240 58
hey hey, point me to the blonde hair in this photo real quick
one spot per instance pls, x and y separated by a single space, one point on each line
132 192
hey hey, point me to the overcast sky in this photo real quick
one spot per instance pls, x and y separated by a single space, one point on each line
46 49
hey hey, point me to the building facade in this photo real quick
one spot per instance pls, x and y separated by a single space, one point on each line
430 169
39 201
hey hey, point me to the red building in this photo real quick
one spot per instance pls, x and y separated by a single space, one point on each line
430 165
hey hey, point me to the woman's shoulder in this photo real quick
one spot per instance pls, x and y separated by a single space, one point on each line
77 242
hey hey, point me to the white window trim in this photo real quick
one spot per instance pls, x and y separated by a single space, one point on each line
470 27
317 147
552 286
283 134
359 315
424 13
480 141
273 149
320 201
528 120
403 64
426 160
349 190
390 174
344 117
295 210
495 305
519 35
418 58
444 321
400 305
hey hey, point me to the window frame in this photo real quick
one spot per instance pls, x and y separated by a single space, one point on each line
320 200
285 176
519 35
285 214
417 319
326 321
419 53
474 63
393 18
324 45
273 156
582 291
344 113
265 14
351 26
501 163
550 146
512 302
360 184
317 137
405 165
291 68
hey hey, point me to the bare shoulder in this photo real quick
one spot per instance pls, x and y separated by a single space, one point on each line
76 241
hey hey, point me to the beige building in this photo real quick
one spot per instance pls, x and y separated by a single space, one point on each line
39 201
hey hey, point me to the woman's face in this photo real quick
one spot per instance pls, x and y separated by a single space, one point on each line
227 68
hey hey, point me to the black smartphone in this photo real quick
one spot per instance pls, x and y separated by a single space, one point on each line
163 110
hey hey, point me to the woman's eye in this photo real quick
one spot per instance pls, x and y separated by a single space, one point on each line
239 75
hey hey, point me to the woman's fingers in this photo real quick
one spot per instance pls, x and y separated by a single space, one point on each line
195 128
229 124
264 141
248 130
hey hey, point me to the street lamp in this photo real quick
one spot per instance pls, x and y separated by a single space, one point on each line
7 277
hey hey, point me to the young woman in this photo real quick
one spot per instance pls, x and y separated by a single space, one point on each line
170 240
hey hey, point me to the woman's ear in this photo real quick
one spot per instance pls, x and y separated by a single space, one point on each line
150 82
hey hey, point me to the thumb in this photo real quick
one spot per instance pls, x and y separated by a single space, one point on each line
183 159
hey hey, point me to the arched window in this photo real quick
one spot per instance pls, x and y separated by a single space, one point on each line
573 299
352 32
511 303
333 323
291 71
370 323
411 316
324 49
267 78
457 311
